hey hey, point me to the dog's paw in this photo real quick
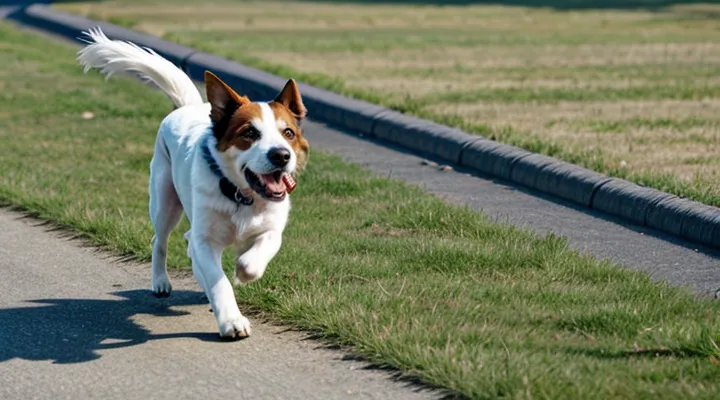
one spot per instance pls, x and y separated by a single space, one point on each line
242 277
161 287
245 273
235 328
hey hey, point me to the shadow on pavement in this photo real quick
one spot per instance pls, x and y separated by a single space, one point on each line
72 330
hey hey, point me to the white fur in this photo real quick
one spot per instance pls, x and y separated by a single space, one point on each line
181 181
113 56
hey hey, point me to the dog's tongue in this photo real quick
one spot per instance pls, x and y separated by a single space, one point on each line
274 183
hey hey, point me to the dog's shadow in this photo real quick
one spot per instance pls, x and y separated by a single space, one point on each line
72 330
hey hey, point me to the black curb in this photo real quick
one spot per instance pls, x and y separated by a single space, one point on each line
683 218
339 110
491 158
627 200
254 83
421 135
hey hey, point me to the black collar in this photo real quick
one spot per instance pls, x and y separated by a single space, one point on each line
227 188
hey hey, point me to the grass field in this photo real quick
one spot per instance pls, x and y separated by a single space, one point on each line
440 292
629 92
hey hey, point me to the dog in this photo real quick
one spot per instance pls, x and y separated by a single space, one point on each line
227 163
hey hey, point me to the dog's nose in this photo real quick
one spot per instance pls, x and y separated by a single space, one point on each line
279 156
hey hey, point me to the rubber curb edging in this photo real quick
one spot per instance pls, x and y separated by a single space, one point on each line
667 213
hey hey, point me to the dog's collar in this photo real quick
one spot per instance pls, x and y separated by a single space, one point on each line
227 188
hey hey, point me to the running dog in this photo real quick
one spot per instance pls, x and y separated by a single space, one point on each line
228 164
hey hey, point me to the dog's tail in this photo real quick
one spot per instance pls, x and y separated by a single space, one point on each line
115 56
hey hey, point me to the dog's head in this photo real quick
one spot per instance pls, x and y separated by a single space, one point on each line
259 143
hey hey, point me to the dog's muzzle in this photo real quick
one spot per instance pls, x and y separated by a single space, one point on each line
273 186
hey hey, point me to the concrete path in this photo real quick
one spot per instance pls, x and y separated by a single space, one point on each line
76 325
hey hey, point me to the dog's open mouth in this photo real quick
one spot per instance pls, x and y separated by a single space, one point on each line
270 186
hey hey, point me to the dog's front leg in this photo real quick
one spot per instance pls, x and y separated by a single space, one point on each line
251 264
206 260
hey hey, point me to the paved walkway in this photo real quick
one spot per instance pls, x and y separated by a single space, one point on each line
76 325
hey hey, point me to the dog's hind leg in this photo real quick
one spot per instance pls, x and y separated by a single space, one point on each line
165 212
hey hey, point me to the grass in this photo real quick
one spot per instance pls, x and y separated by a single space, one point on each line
537 76
442 293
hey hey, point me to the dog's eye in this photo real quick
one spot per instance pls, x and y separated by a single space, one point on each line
288 133
251 133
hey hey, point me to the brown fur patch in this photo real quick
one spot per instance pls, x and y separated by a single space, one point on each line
299 144
240 133
232 115
290 97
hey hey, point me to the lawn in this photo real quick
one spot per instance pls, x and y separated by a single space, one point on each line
437 291
629 92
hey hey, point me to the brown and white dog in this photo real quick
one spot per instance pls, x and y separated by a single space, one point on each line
227 164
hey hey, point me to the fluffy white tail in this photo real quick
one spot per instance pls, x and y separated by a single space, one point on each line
114 56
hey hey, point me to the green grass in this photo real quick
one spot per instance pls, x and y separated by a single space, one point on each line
440 292
452 63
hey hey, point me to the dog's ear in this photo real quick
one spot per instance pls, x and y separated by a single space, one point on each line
290 98
223 100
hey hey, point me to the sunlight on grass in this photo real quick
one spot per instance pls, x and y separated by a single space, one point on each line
440 292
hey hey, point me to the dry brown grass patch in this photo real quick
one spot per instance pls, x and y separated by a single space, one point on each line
634 144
